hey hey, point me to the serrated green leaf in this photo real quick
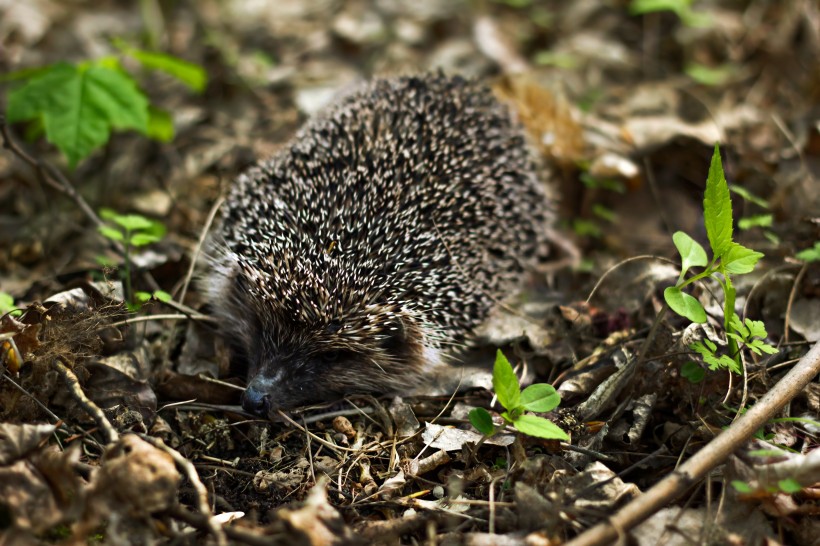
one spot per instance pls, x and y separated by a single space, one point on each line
712 361
810 254
729 363
482 421
738 259
190 74
505 383
691 252
738 326
684 304
540 397
717 207
111 233
711 344
160 125
80 107
756 328
759 346
532 425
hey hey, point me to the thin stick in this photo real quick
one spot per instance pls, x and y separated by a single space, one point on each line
198 249
90 407
201 493
713 454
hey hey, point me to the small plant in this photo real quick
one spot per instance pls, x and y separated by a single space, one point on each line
132 230
539 397
78 105
728 258
7 305
810 254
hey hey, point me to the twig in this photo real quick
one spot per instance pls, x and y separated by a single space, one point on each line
237 535
73 384
624 262
710 456
146 318
198 249
201 493
792 295
51 176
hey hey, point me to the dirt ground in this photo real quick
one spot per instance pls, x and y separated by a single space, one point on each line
122 425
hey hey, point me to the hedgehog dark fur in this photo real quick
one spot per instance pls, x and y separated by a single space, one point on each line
363 255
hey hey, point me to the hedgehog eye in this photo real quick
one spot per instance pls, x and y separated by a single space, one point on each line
330 357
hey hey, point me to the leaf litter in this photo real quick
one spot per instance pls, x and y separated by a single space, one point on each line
170 458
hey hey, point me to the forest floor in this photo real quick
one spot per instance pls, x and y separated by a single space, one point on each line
123 425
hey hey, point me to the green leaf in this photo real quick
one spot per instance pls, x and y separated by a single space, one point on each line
132 222
757 220
684 304
7 304
586 228
749 196
532 425
693 372
717 207
482 421
756 328
79 107
759 346
728 363
738 259
142 297
738 326
111 233
163 296
741 487
604 213
790 486
810 254
160 125
505 383
142 239
190 74
708 75
691 253
540 397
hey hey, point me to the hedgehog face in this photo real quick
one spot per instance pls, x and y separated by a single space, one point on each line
293 364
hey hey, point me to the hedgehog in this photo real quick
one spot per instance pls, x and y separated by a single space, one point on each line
363 256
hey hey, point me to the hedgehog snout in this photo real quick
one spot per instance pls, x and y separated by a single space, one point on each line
258 396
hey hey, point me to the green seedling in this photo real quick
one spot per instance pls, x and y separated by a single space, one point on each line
728 259
78 105
810 254
539 397
132 230
7 305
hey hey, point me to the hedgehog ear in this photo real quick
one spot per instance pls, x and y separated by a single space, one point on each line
400 336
